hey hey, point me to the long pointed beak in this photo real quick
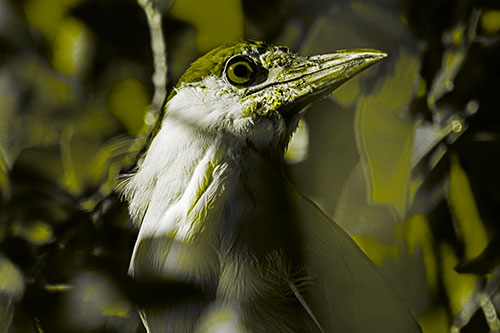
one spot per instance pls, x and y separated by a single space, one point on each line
326 72
309 78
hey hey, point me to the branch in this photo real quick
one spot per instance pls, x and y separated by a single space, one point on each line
158 46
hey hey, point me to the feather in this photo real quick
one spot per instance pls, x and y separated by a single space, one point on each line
347 292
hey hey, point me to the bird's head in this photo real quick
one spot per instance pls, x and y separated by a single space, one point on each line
256 92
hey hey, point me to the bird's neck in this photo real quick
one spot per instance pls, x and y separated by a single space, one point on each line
259 242
224 211
258 217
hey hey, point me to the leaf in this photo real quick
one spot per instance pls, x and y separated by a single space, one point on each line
128 101
72 47
418 235
435 320
11 280
490 21
385 138
36 232
376 194
46 15
459 287
216 22
11 291
377 252
471 228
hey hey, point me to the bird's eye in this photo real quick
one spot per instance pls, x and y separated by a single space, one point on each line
240 71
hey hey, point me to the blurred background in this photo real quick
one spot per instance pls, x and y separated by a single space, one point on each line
406 157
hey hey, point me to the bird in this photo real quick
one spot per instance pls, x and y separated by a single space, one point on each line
215 208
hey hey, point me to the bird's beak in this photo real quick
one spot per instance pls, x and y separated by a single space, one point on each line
315 76
326 72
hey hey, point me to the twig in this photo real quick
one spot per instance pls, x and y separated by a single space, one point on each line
158 46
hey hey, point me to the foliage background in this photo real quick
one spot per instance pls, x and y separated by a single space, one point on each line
405 157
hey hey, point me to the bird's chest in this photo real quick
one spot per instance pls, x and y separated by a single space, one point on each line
244 250
259 253
257 217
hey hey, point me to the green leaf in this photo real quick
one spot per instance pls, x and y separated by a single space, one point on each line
490 21
72 47
471 228
216 22
35 232
11 280
459 287
385 137
128 101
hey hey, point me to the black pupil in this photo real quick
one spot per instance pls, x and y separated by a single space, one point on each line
241 71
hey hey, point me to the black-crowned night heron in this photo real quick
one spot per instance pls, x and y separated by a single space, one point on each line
215 208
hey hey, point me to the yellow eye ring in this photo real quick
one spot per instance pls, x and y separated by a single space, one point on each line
239 71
